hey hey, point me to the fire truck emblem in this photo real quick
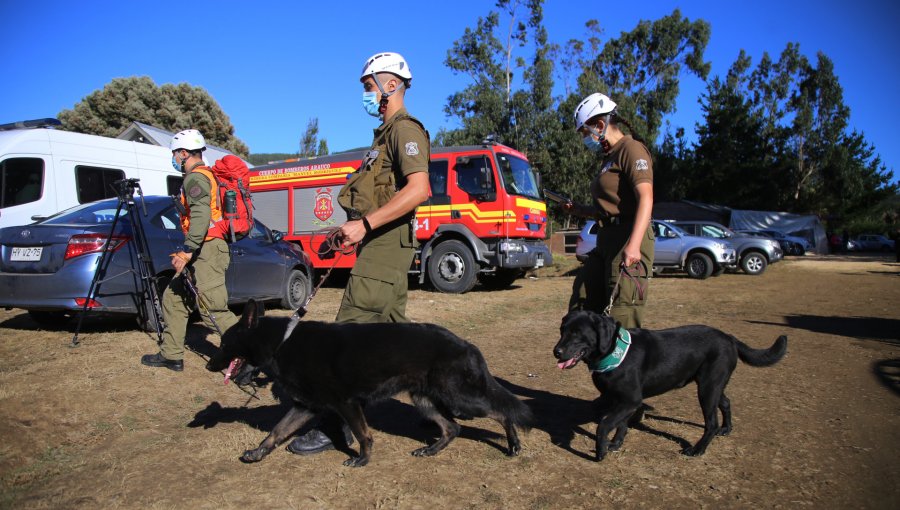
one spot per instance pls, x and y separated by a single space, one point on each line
324 207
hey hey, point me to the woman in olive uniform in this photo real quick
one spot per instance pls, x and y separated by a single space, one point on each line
621 202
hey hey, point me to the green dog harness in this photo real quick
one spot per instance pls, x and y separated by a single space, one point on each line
615 358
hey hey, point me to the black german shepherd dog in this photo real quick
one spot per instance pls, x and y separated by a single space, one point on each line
654 363
339 367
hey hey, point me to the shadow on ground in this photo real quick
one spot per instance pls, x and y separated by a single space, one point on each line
863 328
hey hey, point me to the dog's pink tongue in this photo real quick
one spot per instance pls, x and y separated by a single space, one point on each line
566 364
233 367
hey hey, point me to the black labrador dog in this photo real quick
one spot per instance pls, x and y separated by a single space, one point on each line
654 363
340 367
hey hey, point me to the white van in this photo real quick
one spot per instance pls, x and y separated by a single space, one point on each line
43 171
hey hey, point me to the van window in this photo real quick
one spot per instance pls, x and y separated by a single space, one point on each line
21 181
95 183
173 185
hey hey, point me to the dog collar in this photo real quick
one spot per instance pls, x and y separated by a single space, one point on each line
615 358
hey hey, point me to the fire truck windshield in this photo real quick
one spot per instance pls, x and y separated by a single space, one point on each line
518 178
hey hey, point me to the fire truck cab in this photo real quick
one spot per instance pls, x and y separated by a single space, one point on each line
484 221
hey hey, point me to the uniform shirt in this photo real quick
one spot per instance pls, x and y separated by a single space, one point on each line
407 150
196 191
627 165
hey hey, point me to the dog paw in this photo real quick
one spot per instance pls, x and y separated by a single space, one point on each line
514 451
691 451
425 451
256 455
614 447
356 461
724 431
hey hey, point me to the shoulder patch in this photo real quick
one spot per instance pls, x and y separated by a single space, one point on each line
195 191
412 148
641 165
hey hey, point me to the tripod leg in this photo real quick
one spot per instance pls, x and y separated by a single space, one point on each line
149 283
101 264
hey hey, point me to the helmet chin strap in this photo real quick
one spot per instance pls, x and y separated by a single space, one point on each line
385 95
601 136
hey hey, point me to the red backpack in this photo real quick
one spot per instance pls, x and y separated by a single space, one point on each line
234 200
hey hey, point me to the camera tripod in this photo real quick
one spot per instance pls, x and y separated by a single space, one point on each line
148 292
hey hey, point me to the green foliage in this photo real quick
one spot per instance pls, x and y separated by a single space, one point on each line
640 69
775 138
512 96
109 111
310 145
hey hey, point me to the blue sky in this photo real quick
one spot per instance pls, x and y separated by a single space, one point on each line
274 65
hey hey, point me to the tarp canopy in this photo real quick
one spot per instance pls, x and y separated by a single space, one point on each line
806 226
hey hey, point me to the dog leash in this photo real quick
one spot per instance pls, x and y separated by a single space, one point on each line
332 244
640 271
198 299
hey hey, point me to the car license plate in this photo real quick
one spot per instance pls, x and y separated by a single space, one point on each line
26 254
540 261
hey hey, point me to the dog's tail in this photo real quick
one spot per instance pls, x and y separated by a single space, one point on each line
505 403
762 357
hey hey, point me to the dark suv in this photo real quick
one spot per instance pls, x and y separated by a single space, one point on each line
754 254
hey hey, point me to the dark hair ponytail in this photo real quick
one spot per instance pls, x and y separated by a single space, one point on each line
616 119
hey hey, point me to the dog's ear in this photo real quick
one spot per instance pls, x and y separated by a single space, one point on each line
606 330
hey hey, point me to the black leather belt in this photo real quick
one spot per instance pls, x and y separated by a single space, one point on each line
608 221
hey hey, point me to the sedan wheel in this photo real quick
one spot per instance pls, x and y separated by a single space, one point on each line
296 290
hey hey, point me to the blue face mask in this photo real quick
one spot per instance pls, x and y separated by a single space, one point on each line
371 104
591 143
175 164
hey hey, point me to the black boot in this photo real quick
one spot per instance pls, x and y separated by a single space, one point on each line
316 441
157 360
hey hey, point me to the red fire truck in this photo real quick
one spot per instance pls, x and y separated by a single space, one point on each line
485 218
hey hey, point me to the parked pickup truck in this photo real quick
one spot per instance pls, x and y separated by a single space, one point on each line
700 257
754 254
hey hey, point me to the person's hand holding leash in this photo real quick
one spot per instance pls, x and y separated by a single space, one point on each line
352 232
631 255
179 260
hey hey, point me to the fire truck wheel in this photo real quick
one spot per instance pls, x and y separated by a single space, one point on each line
295 290
451 268
500 278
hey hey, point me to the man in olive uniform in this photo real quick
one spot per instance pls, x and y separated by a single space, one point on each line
204 249
381 219
400 152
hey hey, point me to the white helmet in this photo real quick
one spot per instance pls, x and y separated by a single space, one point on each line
387 63
593 105
189 139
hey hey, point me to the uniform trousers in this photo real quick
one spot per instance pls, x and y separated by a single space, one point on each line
595 281
178 301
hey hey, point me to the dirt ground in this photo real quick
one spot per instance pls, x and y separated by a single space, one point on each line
89 427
